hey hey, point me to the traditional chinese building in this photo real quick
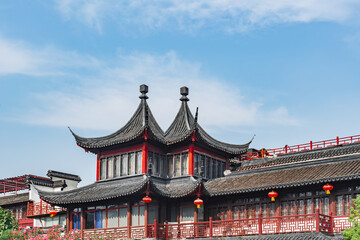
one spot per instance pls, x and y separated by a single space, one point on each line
148 182
19 194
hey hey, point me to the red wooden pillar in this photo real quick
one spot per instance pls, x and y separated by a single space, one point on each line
227 164
260 223
69 221
210 227
146 220
145 157
155 229
98 167
191 159
82 223
317 220
129 220
331 223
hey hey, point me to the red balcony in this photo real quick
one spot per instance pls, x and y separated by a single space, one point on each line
41 208
26 222
301 147
315 222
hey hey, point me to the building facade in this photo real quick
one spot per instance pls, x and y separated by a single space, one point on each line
183 183
20 195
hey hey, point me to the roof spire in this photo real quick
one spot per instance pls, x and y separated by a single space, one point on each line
143 89
184 91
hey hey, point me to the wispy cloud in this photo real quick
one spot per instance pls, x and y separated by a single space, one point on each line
107 100
17 57
186 15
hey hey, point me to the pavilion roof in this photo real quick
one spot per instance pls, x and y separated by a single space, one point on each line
182 128
122 187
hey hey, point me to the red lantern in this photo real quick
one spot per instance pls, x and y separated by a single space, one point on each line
53 213
328 188
198 202
147 199
272 195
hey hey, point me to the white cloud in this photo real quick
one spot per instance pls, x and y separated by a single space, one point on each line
17 57
228 15
107 100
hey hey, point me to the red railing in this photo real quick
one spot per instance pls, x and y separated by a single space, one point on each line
301 147
26 222
41 208
315 222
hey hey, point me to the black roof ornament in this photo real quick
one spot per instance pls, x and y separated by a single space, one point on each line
184 91
143 89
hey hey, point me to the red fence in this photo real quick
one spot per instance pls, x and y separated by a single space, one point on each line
41 208
301 147
26 222
225 228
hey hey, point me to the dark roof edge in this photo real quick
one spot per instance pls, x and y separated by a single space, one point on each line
52 173
286 185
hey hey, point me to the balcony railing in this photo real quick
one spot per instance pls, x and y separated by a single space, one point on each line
41 208
26 222
315 222
301 147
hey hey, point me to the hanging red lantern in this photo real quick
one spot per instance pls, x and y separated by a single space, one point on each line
198 202
147 199
327 188
272 195
52 213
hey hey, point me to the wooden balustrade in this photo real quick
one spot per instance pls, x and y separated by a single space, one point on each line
301 147
315 222
41 208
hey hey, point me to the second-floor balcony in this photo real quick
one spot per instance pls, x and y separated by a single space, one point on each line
41 208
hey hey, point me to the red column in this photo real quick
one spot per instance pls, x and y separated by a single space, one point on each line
146 220
145 157
129 220
227 164
210 227
68 220
317 220
155 229
82 222
98 167
191 159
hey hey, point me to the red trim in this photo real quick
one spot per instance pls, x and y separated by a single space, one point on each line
124 150
191 159
98 167
144 157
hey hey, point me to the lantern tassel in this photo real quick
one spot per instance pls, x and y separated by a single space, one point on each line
327 191
273 199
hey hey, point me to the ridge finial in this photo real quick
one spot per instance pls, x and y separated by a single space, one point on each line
184 91
144 89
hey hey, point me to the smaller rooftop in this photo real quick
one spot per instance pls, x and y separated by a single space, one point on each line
52 173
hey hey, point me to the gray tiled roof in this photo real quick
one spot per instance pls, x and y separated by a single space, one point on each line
121 187
52 173
294 236
13 199
134 128
180 130
317 172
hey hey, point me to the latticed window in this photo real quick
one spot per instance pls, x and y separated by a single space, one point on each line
121 165
208 167
177 164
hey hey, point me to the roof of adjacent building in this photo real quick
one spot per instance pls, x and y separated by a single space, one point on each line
331 168
143 122
52 173
14 199
122 187
294 236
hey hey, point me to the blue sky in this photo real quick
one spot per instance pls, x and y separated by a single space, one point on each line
286 71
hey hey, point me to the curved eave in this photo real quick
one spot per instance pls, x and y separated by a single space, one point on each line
175 190
95 192
234 149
